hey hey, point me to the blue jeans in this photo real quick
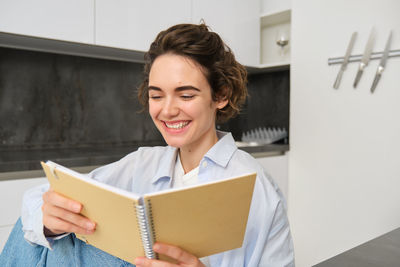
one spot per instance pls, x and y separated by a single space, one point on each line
68 251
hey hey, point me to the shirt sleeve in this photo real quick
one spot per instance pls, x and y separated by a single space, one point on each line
278 249
268 240
31 216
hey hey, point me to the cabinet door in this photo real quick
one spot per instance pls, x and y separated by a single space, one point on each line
71 20
134 24
273 6
277 167
237 22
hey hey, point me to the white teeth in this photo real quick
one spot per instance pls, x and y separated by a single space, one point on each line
179 125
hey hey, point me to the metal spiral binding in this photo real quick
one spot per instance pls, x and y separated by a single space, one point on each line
145 233
150 214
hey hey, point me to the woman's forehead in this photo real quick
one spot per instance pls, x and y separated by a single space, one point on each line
175 70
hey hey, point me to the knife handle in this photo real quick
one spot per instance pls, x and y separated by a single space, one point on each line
338 78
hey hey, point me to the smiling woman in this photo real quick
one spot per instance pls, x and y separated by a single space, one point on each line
192 81
207 52
183 110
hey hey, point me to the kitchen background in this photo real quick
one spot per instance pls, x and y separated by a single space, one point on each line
84 111
68 70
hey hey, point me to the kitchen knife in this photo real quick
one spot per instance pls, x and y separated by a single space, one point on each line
366 57
382 63
345 60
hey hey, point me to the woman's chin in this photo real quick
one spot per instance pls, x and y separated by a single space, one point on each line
174 143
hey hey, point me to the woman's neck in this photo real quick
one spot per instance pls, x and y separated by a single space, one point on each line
191 156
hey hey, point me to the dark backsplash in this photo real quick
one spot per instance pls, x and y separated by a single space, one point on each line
51 100
78 110
266 106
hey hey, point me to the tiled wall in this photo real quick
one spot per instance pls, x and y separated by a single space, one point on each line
59 106
49 99
266 106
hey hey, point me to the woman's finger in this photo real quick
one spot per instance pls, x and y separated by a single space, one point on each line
59 226
62 202
145 262
61 215
176 253
184 258
67 216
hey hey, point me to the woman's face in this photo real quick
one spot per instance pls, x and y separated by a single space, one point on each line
180 102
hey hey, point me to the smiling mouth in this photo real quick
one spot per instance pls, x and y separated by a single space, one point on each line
178 125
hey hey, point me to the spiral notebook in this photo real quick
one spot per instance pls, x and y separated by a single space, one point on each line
204 219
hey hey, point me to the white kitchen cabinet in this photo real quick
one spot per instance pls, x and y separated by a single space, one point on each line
237 22
274 26
134 24
11 193
55 19
274 6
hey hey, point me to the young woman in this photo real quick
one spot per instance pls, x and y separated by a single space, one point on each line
192 81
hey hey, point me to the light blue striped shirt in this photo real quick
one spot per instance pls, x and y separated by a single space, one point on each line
267 241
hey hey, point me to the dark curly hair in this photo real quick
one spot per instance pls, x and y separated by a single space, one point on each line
227 77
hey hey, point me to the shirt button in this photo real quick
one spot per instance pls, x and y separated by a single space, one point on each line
204 164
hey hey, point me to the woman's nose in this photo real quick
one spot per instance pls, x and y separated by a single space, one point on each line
170 108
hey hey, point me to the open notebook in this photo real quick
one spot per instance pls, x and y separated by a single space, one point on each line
202 219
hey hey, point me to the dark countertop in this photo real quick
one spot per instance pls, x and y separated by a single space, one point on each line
29 159
383 251
18 164
265 149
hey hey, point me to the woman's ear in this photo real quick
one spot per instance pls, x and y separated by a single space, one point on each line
221 103
222 100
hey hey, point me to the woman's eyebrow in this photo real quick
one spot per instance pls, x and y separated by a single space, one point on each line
186 87
178 89
154 88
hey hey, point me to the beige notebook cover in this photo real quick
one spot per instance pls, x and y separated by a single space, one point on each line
203 219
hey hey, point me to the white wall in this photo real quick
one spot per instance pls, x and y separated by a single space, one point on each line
344 163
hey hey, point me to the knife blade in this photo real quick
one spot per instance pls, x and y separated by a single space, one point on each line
366 57
345 60
382 63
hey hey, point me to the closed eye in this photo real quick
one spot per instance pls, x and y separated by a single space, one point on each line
187 97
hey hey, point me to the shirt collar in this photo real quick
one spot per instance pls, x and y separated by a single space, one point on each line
220 153
223 150
167 165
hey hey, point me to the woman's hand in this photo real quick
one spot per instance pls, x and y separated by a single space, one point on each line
61 215
184 258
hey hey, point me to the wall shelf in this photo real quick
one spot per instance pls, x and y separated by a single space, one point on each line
272 26
269 67
275 17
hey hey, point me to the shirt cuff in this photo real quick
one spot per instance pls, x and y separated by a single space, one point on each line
37 237
38 231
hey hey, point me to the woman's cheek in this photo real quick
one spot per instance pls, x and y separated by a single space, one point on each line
154 108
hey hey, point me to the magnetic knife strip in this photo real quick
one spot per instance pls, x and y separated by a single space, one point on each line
364 59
